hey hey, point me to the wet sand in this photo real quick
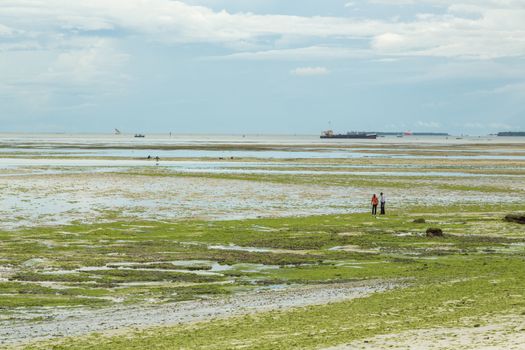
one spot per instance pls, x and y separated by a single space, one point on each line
46 200
59 180
77 322
504 332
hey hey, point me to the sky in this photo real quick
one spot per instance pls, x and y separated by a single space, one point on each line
262 66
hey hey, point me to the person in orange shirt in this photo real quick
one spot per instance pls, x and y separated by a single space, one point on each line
375 201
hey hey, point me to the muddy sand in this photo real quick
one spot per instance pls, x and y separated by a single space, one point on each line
77 322
505 332
41 200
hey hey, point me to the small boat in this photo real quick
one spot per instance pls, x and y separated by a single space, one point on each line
140 135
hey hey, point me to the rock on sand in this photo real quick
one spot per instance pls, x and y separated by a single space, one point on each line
518 218
434 232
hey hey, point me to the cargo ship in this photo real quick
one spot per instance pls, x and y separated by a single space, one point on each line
329 134
511 133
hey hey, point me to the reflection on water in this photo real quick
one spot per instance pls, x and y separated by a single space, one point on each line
300 153
65 166
31 167
257 146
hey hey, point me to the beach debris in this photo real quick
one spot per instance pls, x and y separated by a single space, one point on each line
517 218
434 232
419 221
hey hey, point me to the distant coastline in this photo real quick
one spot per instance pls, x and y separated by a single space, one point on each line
511 133
391 133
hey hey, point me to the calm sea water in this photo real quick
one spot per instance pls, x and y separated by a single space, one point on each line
59 147
261 139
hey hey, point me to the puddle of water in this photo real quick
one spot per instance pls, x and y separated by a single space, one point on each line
254 268
59 272
34 262
216 267
354 248
244 249
200 265
404 234
131 268
210 268
212 167
264 228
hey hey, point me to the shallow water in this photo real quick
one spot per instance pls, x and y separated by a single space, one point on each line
212 167
87 188
53 200
262 154
184 139
286 146
242 249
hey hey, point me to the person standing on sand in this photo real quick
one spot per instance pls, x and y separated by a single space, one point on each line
382 199
374 204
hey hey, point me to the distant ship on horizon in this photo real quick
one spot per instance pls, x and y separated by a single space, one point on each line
511 133
329 134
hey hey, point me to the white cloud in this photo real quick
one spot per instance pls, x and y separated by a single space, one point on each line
514 89
301 54
75 43
89 67
310 71
428 124
5 30
172 21
461 70
493 126
496 30
502 126
388 41
448 3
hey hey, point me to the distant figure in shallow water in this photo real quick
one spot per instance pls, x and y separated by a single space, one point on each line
382 200
375 201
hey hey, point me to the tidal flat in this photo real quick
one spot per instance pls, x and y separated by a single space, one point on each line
112 250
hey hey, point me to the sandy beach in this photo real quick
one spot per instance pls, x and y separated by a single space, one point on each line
98 238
